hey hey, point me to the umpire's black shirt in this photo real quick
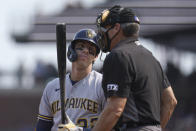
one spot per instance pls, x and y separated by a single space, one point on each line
131 71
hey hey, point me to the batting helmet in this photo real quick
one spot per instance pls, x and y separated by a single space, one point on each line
88 35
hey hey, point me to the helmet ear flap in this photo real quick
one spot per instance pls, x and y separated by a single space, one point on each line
71 54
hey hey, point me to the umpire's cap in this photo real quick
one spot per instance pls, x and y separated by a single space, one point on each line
116 14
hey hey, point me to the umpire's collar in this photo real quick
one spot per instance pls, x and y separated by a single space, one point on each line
125 41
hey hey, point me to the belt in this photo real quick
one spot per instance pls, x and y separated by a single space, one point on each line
135 124
132 124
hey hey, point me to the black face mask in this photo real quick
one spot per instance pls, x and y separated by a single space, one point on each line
103 39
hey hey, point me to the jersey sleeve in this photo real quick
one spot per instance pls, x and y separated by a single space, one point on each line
118 74
166 81
45 112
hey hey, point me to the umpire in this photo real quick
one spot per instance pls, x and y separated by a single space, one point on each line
139 95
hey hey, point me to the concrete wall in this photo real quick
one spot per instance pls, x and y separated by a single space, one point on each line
18 109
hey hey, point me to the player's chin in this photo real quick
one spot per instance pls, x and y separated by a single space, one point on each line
84 63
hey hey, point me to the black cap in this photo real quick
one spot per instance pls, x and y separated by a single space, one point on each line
116 14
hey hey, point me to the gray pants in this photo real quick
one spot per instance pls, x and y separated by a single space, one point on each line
146 128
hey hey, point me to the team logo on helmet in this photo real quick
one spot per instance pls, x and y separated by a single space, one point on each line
89 34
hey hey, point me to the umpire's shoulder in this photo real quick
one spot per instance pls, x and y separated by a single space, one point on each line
113 55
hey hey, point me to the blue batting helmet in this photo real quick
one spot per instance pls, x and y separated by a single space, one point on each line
88 35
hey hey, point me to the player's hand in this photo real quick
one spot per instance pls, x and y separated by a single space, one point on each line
70 126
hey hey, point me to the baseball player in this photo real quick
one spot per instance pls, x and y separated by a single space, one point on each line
84 97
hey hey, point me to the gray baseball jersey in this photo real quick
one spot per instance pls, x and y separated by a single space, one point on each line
84 101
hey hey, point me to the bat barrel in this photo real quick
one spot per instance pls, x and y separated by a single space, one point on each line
61 60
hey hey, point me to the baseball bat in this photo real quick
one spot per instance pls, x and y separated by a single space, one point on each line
61 60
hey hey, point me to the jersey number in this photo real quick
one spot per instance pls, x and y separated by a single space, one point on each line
83 122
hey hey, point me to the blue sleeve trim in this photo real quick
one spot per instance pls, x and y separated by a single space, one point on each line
44 125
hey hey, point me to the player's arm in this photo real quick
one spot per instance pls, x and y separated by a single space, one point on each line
111 114
168 103
44 125
45 116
